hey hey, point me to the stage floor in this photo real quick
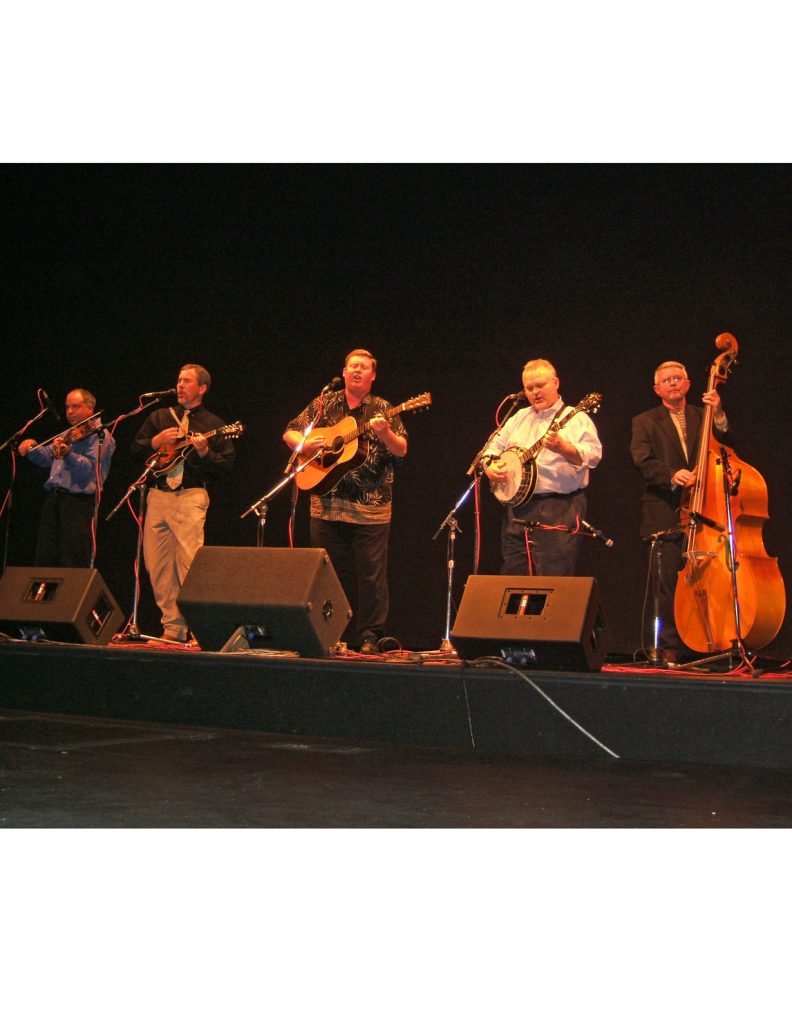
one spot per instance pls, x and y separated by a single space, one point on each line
78 772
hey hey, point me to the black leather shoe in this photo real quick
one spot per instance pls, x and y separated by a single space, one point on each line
369 646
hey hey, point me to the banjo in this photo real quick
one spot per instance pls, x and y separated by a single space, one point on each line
520 463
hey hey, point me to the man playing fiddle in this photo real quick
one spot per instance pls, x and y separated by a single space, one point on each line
66 535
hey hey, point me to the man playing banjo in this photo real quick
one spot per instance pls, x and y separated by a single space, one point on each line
538 535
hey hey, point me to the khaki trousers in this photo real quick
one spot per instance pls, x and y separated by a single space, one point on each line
173 532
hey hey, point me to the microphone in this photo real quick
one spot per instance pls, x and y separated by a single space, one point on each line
159 394
597 533
49 404
335 385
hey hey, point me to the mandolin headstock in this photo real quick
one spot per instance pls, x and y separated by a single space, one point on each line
232 429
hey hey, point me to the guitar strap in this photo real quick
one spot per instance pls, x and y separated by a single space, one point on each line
552 422
180 423
176 474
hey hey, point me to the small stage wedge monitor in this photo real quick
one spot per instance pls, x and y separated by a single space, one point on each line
67 605
283 599
544 622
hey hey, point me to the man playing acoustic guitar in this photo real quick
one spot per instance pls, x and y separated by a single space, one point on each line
351 519
558 501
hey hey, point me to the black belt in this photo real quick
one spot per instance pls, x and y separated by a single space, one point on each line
554 494
72 494
162 485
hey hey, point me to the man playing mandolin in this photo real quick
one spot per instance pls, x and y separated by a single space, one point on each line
537 536
351 519
178 499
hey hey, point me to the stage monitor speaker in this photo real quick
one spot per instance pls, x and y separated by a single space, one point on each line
545 622
49 603
282 599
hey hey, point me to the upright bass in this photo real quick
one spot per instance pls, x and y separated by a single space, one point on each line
728 589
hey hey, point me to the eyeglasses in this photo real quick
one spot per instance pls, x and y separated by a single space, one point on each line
672 380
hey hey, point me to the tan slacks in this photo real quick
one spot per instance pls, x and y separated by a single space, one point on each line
173 532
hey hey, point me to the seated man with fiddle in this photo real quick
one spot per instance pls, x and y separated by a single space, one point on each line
66 536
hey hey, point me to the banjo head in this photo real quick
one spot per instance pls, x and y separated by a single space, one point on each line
520 480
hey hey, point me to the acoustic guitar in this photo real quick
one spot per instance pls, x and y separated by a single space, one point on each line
345 451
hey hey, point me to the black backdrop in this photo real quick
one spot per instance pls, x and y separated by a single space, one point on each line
454 276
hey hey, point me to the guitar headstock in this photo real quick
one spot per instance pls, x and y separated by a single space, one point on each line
232 429
419 402
590 403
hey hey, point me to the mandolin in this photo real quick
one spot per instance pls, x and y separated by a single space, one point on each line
344 452
165 458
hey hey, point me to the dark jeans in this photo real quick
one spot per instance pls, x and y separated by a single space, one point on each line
360 558
553 552
64 535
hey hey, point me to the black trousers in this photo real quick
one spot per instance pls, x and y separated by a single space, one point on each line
65 533
665 562
360 558
552 552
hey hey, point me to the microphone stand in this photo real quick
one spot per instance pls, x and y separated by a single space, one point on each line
453 529
450 521
131 632
8 504
579 530
99 431
736 655
656 657
261 506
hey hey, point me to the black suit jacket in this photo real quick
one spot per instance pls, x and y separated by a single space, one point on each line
657 454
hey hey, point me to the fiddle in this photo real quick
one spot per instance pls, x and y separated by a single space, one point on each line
77 433
65 439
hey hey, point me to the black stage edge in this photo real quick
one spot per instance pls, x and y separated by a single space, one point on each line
654 717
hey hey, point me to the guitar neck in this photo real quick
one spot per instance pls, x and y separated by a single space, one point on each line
362 426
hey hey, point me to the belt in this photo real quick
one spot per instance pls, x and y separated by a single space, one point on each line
162 485
555 494
72 494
